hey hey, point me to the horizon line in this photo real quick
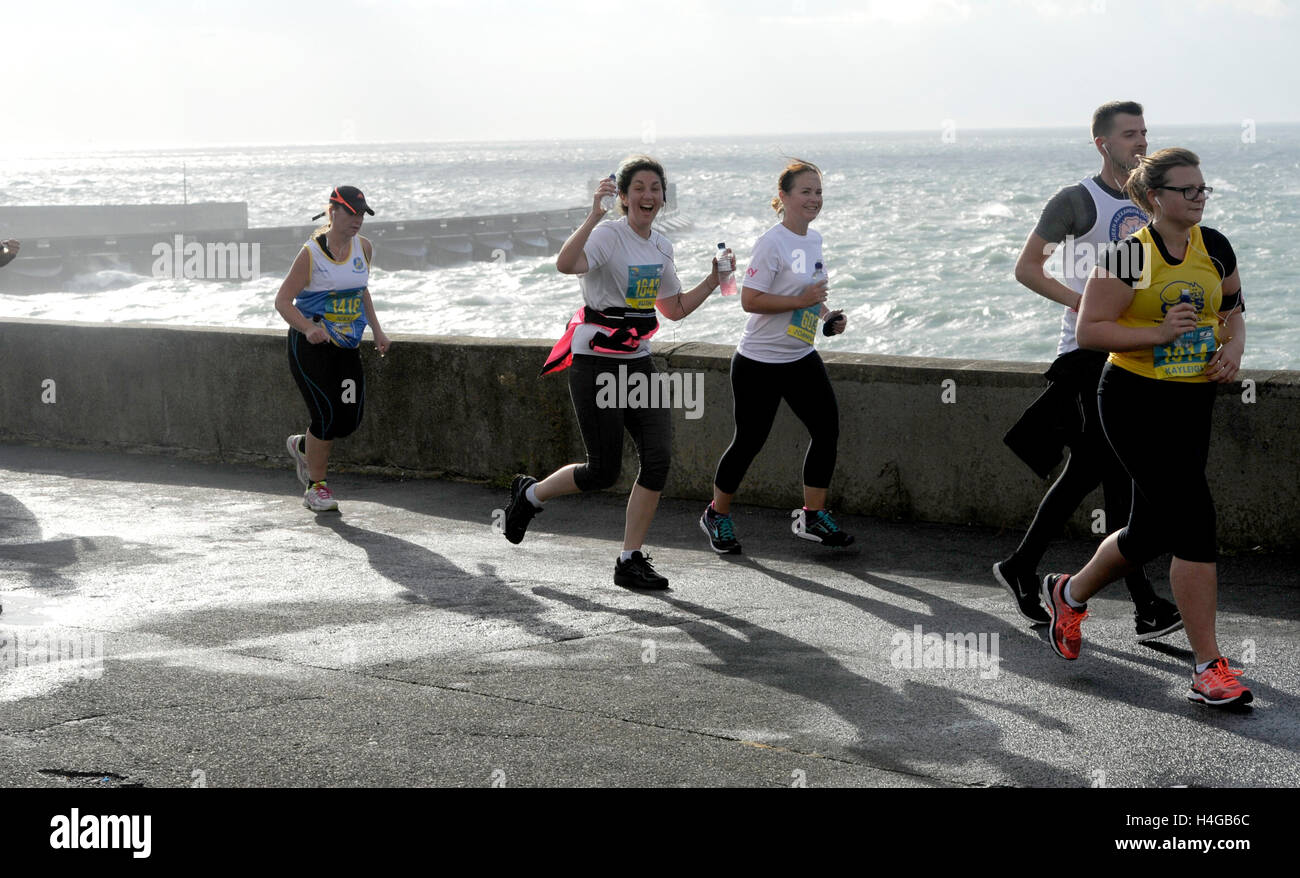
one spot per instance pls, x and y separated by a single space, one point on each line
13 150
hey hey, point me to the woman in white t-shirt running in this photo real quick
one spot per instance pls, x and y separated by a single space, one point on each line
776 360
627 276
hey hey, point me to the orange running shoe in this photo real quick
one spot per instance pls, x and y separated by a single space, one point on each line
1218 685
1063 630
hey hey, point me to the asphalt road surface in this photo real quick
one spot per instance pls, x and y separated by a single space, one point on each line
170 623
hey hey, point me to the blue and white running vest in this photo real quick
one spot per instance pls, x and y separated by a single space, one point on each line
1117 218
334 293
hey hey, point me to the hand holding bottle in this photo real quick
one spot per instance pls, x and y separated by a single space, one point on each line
813 294
724 266
1179 319
606 195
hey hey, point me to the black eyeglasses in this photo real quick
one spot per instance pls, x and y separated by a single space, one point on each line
1190 192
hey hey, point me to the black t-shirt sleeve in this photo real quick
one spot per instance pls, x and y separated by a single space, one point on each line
1123 261
1225 263
1220 252
1069 212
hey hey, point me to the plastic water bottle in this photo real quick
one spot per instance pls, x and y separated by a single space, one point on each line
607 202
1187 339
819 274
1185 296
726 271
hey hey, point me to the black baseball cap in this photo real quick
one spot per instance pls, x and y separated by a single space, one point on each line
351 198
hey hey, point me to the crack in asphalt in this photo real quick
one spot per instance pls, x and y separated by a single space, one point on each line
72 773
275 702
664 622
667 728
66 722
630 721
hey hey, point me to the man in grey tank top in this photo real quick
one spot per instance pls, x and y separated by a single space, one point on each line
1087 217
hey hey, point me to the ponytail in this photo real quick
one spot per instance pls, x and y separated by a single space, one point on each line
1152 172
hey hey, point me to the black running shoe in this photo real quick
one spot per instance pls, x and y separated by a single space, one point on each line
1024 590
520 511
1157 619
818 526
636 572
721 531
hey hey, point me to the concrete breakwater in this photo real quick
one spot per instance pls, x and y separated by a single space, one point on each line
50 263
921 439
212 241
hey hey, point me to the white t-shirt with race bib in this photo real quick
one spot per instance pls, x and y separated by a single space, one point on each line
782 264
624 270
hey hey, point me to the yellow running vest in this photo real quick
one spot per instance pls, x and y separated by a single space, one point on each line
1161 287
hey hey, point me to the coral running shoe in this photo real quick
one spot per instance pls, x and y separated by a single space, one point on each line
1218 685
1065 619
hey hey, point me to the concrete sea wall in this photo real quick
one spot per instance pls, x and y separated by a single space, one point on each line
29 223
920 438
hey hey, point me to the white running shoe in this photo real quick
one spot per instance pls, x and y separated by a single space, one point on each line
319 498
299 459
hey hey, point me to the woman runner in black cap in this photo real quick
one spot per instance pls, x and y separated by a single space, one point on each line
325 299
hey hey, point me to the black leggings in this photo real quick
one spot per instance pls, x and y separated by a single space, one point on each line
603 425
322 372
1160 431
1091 462
757 389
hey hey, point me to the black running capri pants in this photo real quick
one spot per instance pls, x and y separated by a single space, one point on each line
1160 431
331 381
757 390
603 423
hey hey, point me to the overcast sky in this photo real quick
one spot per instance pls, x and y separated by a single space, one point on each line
232 71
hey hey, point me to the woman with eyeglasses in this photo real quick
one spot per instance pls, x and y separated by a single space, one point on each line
627 276
1167 304
784 293
325 299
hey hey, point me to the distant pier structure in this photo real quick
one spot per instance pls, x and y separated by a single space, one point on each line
60 242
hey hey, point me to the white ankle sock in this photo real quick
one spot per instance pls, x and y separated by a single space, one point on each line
531 496
1069 598
626 556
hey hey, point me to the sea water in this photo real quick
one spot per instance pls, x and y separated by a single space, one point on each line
921 230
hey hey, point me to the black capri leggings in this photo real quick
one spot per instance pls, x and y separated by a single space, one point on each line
323 372
1160 431
757 390
602 425
1091 462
